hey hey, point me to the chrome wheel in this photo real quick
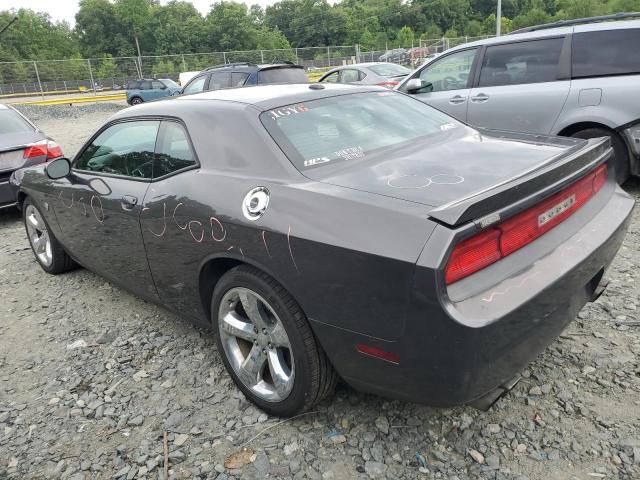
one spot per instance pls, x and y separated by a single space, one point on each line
256 344
38 235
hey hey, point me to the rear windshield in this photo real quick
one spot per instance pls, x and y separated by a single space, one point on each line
389 70
350 127
282 75
11 122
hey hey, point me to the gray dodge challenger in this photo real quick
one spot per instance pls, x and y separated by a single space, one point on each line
335 231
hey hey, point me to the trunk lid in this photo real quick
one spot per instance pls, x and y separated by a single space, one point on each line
12 147
465 173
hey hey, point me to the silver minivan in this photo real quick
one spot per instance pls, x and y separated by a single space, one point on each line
580 80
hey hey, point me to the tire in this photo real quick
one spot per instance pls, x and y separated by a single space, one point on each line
311 376
620 155
47 250
136 101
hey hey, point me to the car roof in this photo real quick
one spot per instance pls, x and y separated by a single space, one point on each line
266 97
549 32
3 107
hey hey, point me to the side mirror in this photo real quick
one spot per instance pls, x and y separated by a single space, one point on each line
58 168
415 85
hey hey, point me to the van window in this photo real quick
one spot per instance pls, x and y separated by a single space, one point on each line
523 62
610 52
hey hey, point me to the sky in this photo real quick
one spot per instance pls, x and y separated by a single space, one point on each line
66 9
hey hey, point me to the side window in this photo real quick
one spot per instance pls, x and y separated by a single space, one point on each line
333 78
122 149
173 151
196 86
145 85
451 72
238 79
523 62
220 80
349 75
133 85
611 52
156 85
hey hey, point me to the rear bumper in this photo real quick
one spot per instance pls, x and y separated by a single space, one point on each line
457 349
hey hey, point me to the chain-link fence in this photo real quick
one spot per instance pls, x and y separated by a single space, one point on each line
112 73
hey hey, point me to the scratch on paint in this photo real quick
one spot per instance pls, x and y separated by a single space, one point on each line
164 218
508 289
84 205
264 240
241 252
291 251
230 248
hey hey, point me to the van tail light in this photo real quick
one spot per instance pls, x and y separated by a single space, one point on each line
48 148
389 84
489 246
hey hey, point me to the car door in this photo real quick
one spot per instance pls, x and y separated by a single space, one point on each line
447 82
172 227
145 90
158 89
220 80
520 86
100 202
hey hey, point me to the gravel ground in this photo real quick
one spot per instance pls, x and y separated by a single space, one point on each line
91 378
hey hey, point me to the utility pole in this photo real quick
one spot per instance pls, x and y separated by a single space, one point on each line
499 18
139 56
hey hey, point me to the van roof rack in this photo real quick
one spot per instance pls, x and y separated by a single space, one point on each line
236 64
579 21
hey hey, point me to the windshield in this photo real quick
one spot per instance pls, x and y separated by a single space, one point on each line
11 122
389 70
350 127
282 75
170 83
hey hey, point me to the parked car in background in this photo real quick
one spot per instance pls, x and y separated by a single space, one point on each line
395 55
327 231
574 78
232 75
22 144
139 91
373 73
184 77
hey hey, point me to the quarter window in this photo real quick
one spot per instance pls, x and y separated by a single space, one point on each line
173 151
238 79
519 63
220 80
349 76
122 149
196 86
611 52
449 73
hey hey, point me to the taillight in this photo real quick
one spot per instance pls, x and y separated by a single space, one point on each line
48 148
53 150
387 84
489 246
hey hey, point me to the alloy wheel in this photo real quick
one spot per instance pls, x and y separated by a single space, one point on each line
38 235
256 344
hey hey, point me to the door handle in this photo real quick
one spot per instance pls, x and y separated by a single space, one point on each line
480 98
457 100
128 202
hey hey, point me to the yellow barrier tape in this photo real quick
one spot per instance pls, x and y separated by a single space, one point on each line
83 99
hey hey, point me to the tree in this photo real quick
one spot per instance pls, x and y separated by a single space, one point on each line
405 37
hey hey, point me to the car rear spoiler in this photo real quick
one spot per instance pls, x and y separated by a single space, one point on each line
528 187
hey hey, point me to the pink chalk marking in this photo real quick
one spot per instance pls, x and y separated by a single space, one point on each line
264 240
164 219
213 220
62 200
181 227
291 251
508 289
191 231
100 220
